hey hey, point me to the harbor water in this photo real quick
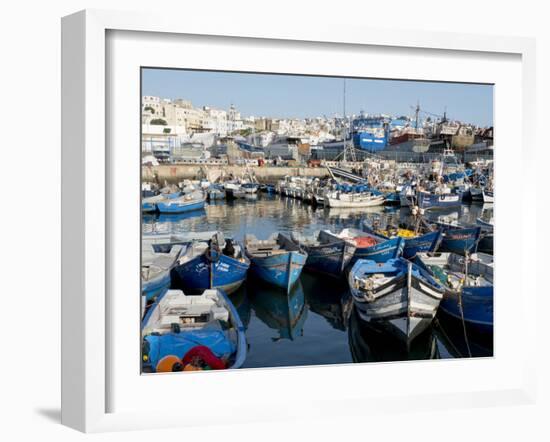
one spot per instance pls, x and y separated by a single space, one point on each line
316 322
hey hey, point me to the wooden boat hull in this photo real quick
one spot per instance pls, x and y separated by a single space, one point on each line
404 307
282 270
477 307
359 203
216 195
428 242
156 287
473 303
381 252
157 346
328 258
460 240
147 206
177 207
392 198
218 272
430 201
486 243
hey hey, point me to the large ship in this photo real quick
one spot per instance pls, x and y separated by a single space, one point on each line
370 132
408 138
453 134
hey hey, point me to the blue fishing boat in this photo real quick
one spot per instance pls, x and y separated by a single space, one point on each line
185 203
468 283
217 263
202 330
250 187
368 245
459 240
215 192
326 255
486 240
276 260
392 198
396 296
413 242
434 201
233 190
370 132
268 188
156 263
149 204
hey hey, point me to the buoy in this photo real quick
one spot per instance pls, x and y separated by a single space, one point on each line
169 364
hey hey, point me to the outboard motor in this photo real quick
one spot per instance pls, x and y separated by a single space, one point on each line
229 249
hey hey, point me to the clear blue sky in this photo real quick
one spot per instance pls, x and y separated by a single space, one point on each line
304 96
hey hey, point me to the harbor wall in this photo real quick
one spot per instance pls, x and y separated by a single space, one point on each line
175 173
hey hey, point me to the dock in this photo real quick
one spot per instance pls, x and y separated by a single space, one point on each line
175 173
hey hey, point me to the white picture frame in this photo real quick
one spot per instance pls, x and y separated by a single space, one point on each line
87 215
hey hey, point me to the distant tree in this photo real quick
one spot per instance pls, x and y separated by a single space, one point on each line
150 109
158 122
243 132
167 130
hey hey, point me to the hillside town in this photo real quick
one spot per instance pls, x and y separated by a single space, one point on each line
177 131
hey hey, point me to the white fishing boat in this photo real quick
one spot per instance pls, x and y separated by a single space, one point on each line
352 200
319 197
157 260
176 324
396 296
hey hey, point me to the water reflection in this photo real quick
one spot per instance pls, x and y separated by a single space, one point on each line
460 343
283 313
173 222
328 298
370 345
315 323
242 303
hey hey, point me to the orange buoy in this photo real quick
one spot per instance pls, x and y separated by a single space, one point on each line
169 364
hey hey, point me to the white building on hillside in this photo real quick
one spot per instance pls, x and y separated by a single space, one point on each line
215 121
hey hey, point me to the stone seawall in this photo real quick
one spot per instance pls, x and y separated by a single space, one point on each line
175 173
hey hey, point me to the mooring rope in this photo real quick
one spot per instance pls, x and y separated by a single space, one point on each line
466 257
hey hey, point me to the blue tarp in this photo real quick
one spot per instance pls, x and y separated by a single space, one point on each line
178 344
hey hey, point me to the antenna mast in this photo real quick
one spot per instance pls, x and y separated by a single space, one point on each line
347 148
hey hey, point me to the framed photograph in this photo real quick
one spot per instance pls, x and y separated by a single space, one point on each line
250 213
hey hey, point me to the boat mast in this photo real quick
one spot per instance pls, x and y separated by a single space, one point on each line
347 148
344 121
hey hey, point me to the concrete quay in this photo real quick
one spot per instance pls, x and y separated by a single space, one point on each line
175 173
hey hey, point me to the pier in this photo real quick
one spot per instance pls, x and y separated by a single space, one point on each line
175 173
